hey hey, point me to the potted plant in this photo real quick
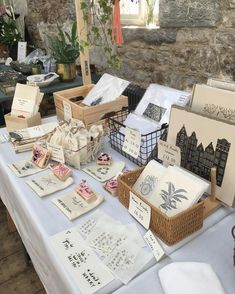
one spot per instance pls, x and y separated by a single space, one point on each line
9 35
65 50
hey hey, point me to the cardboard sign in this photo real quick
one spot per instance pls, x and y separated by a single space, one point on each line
140 210
168 153
154 245
132 142
57 152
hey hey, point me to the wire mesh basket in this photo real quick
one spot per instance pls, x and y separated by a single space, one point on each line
148 148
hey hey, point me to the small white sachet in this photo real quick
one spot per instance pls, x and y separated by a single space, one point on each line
189 278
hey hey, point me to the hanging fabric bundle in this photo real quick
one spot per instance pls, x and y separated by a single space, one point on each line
116 26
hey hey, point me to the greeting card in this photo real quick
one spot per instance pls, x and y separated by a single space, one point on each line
147 183
73 205
177 191
104 173
24 168
48 184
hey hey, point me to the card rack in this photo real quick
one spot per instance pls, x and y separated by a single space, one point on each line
148 148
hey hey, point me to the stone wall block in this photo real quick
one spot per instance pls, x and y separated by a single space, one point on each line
189 13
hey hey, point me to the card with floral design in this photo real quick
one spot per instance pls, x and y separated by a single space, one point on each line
147 183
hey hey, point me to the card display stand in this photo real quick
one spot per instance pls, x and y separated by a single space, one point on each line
88 114
15 123
148 148
169 229
134 94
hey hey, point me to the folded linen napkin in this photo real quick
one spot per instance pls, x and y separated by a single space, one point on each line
189 277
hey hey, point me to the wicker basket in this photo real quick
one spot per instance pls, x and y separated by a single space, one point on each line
169 229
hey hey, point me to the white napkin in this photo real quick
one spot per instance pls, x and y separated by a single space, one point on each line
189 278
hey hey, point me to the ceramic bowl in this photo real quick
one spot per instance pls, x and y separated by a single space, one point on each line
40 80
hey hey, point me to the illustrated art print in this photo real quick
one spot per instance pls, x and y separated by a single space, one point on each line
206 142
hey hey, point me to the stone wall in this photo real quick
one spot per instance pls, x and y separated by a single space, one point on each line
196 40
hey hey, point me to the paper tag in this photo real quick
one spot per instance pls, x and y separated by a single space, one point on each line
132 142
67 111
154 245
168 153
21 53
140 210
36 132
57 152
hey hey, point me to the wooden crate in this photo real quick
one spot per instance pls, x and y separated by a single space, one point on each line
88 114
15 123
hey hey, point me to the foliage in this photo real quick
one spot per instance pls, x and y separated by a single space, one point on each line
9 34
65 47
99 32
171 197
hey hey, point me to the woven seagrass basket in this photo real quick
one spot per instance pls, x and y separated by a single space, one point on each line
169 229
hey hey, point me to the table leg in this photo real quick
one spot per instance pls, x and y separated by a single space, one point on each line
10 223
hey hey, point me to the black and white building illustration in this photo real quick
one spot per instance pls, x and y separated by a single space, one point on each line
200 160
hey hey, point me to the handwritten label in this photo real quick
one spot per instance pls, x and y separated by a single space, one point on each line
57 152
132 142
140 210
168 153
35 132
154 245
67 111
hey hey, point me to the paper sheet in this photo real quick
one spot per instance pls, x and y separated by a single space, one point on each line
48 184
73 205
121 246
157 101
24 168
103 173
84 267
107 89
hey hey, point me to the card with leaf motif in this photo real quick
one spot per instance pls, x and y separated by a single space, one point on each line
177 191
48 184
104 173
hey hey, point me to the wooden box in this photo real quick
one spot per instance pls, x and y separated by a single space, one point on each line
88 114
169 229
15 123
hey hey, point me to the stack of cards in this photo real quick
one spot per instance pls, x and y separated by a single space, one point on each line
172 189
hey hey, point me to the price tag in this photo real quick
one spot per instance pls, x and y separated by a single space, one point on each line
132 142
140 210
67 111
154 245
57 152
168 153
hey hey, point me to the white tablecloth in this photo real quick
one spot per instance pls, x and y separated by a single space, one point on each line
38 218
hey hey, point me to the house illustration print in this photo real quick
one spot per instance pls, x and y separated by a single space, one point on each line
200 160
